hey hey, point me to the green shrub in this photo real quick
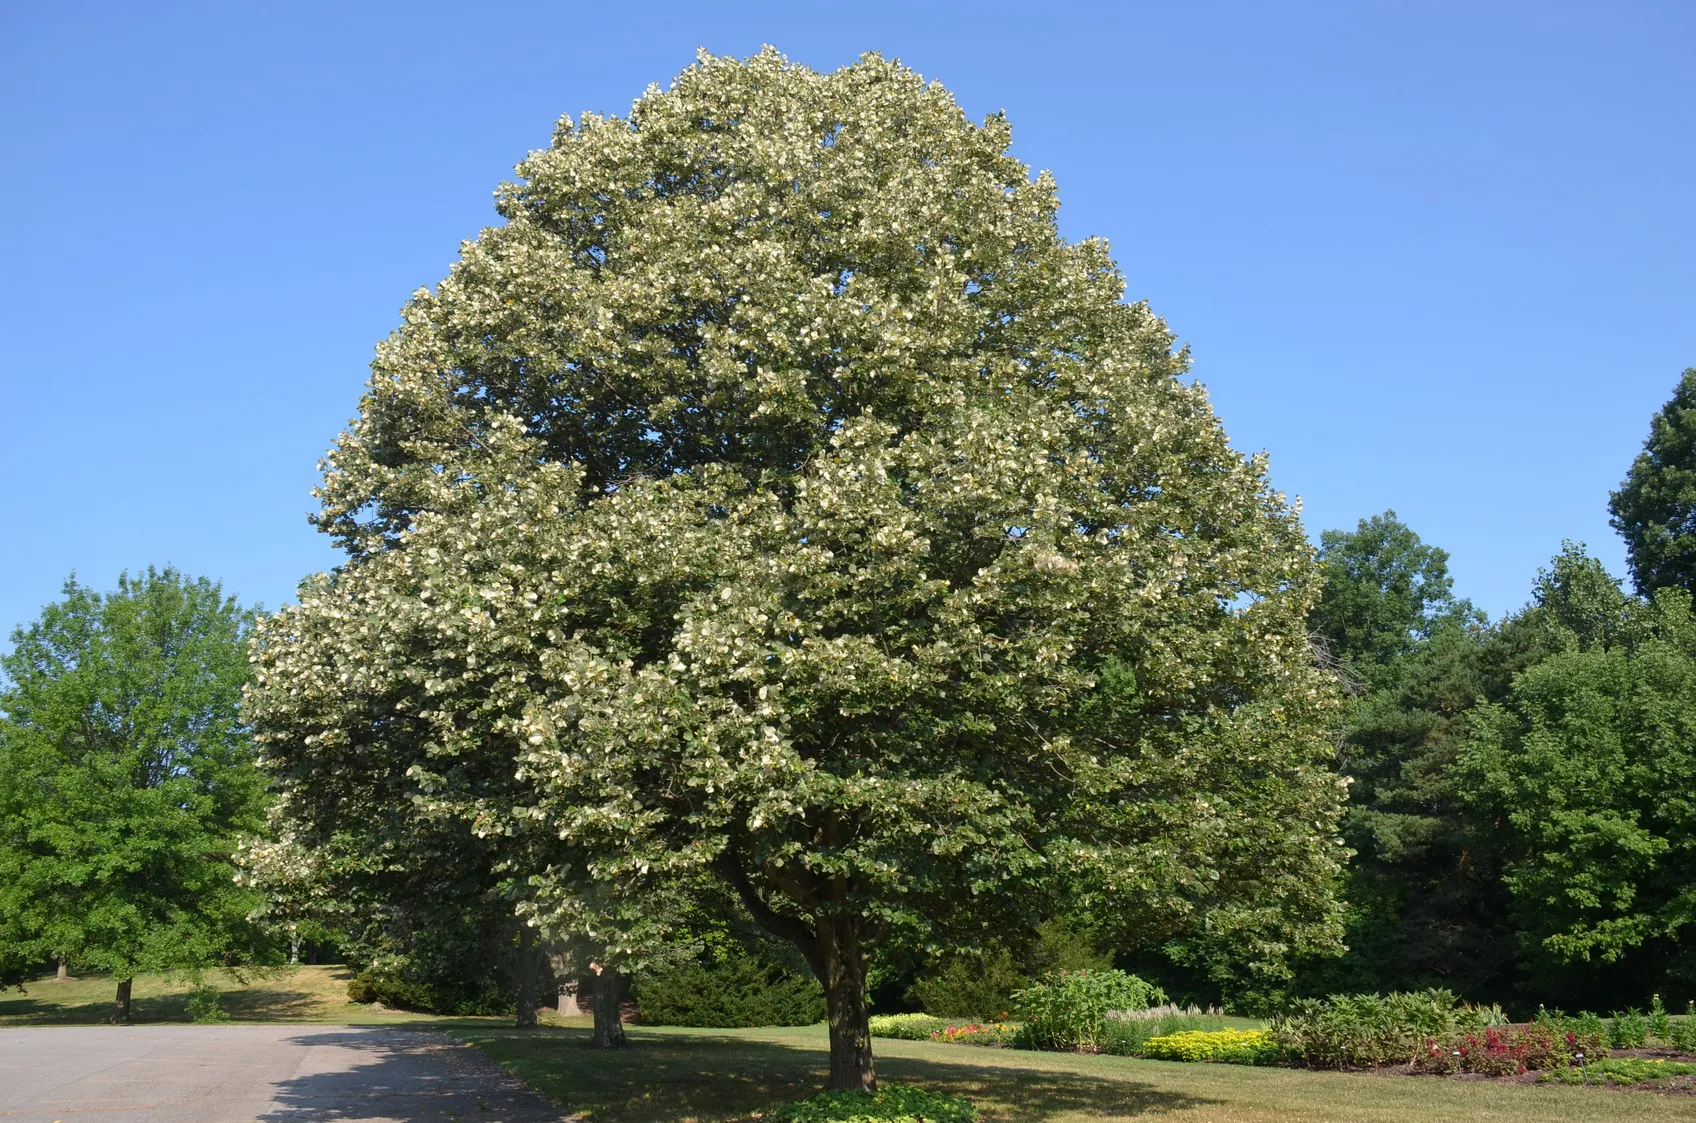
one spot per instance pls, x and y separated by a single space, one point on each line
907 1027
1629 1030
1660 1025
1229 1046
1366 1030
892 1103
1683 1032
1068 1009
203 1006
980 986
407 994
735 991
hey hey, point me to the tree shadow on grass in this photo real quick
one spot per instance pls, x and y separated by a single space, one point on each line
248 1004
690 1078
405 1075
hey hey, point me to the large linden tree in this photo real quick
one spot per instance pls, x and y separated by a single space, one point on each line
778 498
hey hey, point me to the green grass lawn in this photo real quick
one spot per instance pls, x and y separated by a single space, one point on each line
709 1076
283 994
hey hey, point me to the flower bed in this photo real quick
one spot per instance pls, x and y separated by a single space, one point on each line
993 1034
1228 1046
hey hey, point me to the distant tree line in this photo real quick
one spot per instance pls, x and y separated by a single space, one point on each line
1523 798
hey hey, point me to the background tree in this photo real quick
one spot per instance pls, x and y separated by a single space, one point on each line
1426 906
790 502
1385 591
1584 772
1654 510
126 776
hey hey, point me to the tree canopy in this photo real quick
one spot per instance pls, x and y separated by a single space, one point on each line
778 497
125 777
1654 510
1384 591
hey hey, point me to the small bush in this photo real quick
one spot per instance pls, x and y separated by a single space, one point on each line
906 1027
1068 1009
1629 1030
405 994
1228 1046
738 991
1683 1032
203 1006
892 1103
1660 1025
980 986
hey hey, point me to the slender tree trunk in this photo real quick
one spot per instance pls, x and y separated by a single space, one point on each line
844 979
121 1004
64 970
294 945
607 990
526 975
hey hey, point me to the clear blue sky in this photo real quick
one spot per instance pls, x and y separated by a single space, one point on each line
1435 257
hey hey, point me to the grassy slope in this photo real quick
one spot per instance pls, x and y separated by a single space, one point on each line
696 1076
288 994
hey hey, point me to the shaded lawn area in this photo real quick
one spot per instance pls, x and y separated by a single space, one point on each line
281 994
712 1076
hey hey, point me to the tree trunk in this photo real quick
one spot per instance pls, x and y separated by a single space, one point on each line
294 945
121 1004
526 975
567 1000
844 979
607 991
64 970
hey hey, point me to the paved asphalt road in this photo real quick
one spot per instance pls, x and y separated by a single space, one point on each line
241 1074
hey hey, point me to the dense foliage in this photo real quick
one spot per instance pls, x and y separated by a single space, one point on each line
1654 510
739 990
126 777
1586 768
1068 1009
777 497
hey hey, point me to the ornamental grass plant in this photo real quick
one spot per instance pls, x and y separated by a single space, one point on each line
1070 1010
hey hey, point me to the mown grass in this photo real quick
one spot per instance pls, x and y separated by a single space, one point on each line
310 995
701 1076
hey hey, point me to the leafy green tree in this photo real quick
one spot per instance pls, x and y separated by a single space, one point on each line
1654 510
126 776
1424 896
1385 590
1587 768
777 496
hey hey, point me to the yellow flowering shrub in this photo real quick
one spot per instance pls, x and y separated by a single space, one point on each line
1232 1046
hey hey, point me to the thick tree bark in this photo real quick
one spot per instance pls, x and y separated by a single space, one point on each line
526 975
833 947
121 1004
844 977
607 990
64 970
